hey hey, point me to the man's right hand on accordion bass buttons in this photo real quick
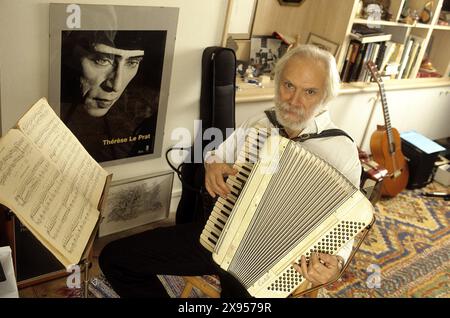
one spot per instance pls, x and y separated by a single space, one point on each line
322 268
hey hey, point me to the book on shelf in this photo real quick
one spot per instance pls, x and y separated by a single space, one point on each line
389 50
391 70
52 184
405 57
373 57
364 29
366 58
392 62
380 55
412 60
367 34
371 38
350 59
359 52
415 50
357 67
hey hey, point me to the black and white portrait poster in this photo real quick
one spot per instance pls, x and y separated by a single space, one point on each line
110 72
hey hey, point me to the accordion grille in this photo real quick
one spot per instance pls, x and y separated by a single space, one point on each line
300 195
329 244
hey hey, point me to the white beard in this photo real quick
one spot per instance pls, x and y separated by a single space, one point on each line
303 118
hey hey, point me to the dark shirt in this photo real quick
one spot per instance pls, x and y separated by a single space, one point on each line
125 131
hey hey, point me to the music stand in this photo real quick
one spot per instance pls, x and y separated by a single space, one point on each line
85 261
2 274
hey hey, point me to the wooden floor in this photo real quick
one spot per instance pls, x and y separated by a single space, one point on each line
57 288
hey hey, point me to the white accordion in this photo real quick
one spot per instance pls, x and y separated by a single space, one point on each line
285 202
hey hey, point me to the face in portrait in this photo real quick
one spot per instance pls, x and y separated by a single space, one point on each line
106 72
110 87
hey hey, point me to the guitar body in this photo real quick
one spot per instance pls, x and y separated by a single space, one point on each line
395 163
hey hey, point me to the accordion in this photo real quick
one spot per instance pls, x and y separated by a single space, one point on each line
285 202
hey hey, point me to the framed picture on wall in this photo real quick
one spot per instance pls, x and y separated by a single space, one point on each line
110 72
137 201
241 19
265 52
323 43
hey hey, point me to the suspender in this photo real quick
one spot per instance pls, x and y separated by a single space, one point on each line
325 133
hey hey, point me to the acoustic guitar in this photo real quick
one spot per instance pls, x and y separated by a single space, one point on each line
385 145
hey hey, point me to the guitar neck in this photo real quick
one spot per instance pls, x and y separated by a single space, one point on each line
387 120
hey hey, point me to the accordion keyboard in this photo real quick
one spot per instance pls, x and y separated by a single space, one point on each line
223 206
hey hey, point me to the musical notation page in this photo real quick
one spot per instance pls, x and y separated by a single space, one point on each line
46 201
46 130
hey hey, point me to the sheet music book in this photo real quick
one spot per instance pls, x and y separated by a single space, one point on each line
52 184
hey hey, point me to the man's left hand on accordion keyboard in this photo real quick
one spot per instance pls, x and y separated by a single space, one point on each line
322 268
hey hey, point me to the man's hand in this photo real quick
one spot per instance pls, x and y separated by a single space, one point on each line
322 268
214 178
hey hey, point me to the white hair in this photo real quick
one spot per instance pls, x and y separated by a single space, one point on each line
315 53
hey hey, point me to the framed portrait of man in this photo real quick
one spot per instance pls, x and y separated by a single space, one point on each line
110 72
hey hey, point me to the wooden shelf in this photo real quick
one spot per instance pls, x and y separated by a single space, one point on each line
392 85
333 21
441 27
391 23
379 22
252 93
246 92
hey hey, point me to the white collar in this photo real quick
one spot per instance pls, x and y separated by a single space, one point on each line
318 124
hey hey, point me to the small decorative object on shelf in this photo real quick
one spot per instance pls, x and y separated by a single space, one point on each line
412 17
427 69
374 10
427 65
359 10
444 17
427 13
241 68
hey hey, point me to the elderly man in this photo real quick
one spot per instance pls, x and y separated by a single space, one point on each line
306 79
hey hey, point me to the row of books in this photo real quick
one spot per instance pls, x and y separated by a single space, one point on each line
393 60
409 57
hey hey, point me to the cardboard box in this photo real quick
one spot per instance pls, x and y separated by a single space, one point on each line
443 175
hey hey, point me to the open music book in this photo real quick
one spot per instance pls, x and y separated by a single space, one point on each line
52 184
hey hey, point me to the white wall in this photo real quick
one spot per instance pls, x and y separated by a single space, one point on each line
24 63
425 110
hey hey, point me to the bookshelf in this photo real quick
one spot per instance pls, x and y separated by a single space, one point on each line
334 21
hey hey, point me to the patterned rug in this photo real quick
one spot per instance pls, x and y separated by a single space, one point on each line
406 254
175 285
99 287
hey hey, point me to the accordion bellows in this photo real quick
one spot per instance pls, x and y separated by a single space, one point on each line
285 202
